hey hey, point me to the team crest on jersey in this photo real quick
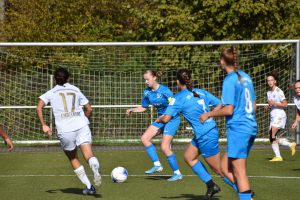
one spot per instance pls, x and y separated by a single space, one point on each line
172 101
189 96
158 95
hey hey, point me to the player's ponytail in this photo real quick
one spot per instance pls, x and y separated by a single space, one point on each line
230 57
154 73
61 76
184 76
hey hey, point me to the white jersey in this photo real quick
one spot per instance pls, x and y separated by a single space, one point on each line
66 102
297 102
278 96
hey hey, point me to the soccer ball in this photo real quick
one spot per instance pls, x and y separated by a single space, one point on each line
119 175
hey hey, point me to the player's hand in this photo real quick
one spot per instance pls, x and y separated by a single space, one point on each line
271 103
128 112
267 107
204 117
47 130
9 143
294 125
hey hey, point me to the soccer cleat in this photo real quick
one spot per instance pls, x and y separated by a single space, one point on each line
211 191
97 175
176 177
90 191
252 195
276 159
154 169
97 179
293 148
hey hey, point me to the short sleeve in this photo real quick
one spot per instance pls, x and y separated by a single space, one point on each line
228 93
145 101
174 108
281 96
212 100
168 94
82 99
45 97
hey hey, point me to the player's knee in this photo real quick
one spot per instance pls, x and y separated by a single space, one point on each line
165 148
272 139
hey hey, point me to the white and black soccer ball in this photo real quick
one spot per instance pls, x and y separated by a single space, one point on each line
119 175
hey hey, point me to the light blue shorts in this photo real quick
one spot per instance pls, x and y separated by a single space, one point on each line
170 128
239 143
208 144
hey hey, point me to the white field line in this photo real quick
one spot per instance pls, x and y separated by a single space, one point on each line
134 175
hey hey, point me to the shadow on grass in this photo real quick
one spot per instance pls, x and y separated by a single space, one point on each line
72 191
190 197
157 177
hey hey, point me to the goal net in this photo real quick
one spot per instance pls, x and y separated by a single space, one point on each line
111 76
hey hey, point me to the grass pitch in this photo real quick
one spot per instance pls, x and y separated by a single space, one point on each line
39 175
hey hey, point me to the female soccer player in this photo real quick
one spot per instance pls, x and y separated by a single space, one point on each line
276 104
238 99
297 103
158 96
6 139
72 125
192 102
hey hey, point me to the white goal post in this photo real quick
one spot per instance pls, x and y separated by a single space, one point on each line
110 74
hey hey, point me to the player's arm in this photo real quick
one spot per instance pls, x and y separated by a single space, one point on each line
297 119
88 110
164 119
138 109
254 106
282 104
39 112
226 110
6 139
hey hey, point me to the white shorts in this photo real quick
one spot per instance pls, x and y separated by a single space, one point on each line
278 122
70 140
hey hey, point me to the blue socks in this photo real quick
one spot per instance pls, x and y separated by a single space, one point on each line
151 151
233 185
201 172
173 162
244 196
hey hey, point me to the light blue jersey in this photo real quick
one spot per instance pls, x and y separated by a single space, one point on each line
192 107
240 94
158 98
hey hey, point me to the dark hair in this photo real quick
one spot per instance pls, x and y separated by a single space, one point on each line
153 73
297 81
184 76
229 55
274 74
61 75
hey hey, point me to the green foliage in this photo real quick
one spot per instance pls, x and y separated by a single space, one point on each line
144 20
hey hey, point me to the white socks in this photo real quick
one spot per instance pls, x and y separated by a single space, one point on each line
284 142
94 165
177 172
276 150
82 176
157 163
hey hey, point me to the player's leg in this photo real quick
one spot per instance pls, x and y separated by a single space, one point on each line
239 146
291 145
80 172
84 141
171 157
284 141
146 138
190 157
227 171
274 143
168 134
240 172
